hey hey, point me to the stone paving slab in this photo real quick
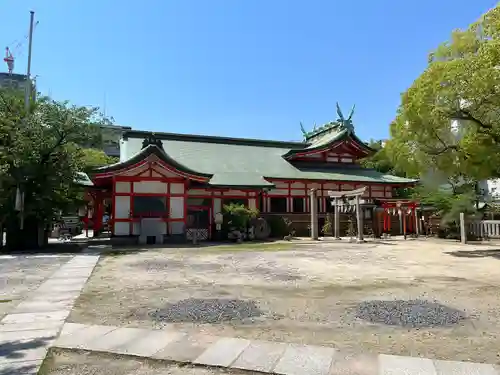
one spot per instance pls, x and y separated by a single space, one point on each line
49 334
463 368
60 288
23 350
223 352
43 306
260 356
305 359
68 281
15 368
121 337
70 328
187 349
19 327
149 343
396 365
79 339
28 332
354 364
32 317
54 297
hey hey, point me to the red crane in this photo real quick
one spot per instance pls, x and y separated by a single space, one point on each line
9 59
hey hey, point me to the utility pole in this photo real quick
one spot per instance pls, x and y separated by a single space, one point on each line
19 204
28 71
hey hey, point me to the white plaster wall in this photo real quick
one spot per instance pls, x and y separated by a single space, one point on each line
122 207
122 187
157 187
122 228
176 227
136 228
232 193
176 207
176 188
252 204
217 206
278 192
123 150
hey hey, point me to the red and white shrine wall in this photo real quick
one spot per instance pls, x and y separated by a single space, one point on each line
178 198
293 196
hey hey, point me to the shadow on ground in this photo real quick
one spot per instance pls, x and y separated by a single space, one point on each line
13 353
493 253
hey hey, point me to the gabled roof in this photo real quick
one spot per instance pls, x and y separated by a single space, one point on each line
326 136
143 154
243 162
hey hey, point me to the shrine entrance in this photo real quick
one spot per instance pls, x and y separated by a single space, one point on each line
408 217
198 220
348 202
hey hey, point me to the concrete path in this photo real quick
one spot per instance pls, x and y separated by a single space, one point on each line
32 326
267 357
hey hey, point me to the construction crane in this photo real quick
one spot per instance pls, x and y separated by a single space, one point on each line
17 49
9 59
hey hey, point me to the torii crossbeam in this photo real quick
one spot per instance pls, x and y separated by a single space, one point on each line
341 196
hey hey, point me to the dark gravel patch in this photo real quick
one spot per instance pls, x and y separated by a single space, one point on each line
214 310
409 313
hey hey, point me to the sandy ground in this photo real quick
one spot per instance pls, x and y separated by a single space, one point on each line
60 362
310 294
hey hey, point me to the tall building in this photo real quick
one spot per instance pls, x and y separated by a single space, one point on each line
111 135
15 81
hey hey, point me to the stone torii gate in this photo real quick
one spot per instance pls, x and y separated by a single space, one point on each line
339 199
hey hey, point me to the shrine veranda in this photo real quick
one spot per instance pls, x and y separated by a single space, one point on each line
168 184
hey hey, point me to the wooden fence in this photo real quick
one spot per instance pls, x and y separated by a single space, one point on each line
485 228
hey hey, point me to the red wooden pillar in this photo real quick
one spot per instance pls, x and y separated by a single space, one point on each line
98 213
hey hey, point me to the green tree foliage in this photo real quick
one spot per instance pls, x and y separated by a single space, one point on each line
447 128
382 162
93 158
41 153
461 82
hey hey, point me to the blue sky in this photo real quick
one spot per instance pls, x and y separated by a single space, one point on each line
242 68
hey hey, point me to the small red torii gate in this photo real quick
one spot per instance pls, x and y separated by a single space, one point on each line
408 210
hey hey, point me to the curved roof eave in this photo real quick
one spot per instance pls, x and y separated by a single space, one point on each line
143 154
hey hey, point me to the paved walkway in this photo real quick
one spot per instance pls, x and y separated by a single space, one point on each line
29 330
37 323
263 356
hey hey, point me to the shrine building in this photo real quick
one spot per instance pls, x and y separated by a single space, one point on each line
166 178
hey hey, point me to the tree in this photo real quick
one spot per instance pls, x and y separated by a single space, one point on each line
460 87
41 154
382 162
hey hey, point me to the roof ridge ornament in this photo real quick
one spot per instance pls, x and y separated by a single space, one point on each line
151 139
346 123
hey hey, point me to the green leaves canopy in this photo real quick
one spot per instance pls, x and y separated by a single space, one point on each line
460 87
43 152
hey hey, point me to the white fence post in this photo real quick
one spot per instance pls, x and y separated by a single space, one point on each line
484 228
463 232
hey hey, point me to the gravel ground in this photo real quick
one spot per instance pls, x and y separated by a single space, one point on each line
65 362
406 298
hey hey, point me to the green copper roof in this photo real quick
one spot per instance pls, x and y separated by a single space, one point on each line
241 162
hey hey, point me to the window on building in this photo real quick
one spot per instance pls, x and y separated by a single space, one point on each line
149 206
298 204
278 204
